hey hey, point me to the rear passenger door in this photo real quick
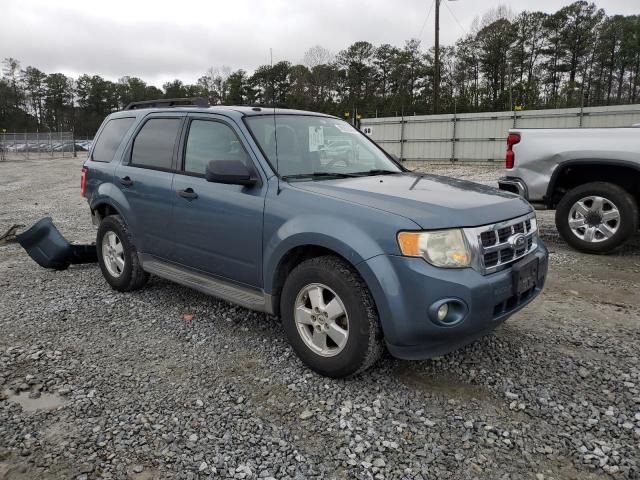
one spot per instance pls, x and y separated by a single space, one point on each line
217 228
145 179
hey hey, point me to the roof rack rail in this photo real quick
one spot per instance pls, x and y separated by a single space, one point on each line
169 102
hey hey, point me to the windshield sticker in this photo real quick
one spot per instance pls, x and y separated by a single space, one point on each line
316 139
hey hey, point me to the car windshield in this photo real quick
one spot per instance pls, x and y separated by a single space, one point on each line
320 147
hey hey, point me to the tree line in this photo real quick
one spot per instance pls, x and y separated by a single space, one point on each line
575 56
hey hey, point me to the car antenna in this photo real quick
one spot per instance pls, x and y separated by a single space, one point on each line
275 123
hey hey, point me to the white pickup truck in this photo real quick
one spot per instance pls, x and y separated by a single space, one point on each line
591 176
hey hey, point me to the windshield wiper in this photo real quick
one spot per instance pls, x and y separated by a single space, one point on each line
377 171
319 175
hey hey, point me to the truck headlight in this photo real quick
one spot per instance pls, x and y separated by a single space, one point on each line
441 248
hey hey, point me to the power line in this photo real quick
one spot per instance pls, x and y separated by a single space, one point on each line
464 30
426 19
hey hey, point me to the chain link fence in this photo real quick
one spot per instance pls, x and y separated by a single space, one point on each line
26 145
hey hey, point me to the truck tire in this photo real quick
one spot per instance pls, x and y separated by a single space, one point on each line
597 217
118 257
330 318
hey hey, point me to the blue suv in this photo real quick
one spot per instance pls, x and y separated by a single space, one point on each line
300 215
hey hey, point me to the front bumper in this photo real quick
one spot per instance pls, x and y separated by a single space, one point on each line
514 185
406 288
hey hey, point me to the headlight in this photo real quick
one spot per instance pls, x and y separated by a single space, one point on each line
441 248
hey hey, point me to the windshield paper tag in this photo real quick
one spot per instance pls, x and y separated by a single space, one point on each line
316 139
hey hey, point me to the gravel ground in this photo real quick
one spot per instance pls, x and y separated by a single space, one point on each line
169 383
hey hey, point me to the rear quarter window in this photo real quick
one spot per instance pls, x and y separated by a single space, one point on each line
110 139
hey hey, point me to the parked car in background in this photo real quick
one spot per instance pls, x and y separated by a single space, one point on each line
352 251
591 176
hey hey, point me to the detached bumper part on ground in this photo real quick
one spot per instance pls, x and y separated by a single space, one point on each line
49 249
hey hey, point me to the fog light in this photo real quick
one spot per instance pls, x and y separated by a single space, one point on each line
448 312
443 311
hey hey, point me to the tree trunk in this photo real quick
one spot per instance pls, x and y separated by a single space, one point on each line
589 74
610 76
620 81
635 80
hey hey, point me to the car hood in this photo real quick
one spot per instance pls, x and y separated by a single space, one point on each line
431 201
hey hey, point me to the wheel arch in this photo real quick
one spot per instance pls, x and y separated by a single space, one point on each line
104 209
573 173
300 252
109 200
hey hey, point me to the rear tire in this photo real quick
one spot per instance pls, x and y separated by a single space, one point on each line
118 257
597 217
330 318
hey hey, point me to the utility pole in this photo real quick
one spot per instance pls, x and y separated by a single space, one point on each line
510 87
436 68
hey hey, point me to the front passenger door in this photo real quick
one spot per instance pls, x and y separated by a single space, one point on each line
217 228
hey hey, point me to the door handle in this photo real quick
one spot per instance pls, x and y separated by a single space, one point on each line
188 193
126 181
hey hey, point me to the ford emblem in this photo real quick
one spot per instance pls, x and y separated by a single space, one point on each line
518 241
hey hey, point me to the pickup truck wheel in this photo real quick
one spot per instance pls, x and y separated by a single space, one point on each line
596 217
117 256
330 318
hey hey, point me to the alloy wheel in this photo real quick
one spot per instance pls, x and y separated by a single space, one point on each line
594 219
113 254
321 319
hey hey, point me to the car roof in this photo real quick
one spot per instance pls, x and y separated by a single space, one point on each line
232 111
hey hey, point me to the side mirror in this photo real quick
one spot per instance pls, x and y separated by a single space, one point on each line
230 172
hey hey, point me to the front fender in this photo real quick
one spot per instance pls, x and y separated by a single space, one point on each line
295 218
344 238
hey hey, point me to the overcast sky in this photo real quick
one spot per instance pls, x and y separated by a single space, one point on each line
160 40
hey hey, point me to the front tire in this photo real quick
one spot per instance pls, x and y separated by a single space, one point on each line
597 217
118 257
330 318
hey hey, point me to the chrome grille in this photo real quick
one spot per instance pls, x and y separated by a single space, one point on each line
504 243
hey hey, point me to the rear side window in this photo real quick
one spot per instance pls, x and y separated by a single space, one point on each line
110 139
211 141
153 146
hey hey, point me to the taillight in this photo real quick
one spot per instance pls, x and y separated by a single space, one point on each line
83 181
512 139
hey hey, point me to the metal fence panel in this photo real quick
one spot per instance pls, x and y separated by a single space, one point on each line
389 136
436 150
480 137
623 117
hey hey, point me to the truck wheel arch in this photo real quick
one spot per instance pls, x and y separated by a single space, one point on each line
613 171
